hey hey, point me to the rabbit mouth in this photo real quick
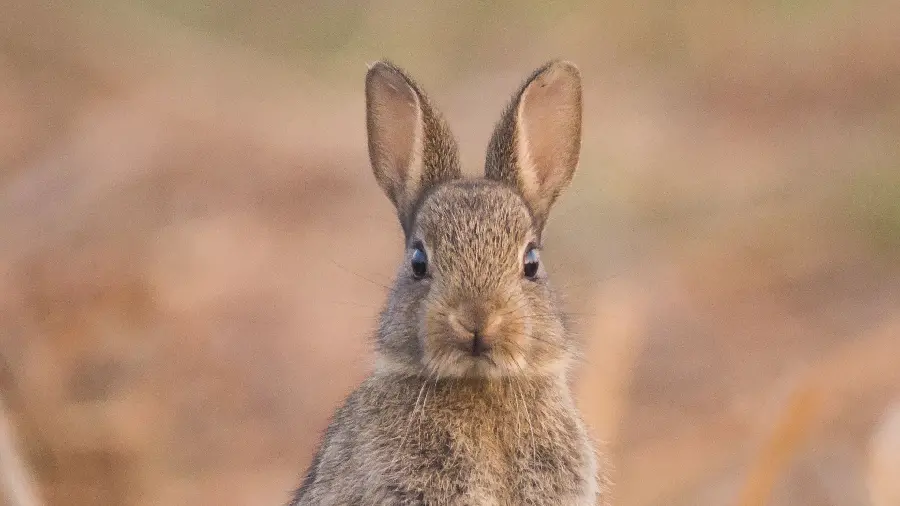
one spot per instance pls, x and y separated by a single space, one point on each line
476 358
477 347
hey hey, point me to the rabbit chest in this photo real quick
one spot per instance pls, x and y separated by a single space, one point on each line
487 444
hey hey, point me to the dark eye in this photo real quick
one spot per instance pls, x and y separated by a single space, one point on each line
419 261
531 262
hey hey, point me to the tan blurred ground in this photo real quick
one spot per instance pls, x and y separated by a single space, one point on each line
192 247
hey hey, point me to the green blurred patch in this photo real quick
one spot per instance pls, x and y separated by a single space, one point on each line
876 208
310 29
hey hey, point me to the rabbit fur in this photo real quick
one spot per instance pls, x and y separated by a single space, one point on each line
443 421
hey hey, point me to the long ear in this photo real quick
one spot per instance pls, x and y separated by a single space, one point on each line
536 145
410 146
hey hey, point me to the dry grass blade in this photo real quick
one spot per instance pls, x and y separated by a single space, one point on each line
884 460
785 440
17 484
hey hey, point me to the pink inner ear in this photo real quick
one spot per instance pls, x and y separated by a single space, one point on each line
550 126
393 118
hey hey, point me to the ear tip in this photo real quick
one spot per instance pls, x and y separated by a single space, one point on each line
570 68
563 66
385 71
561 72
379 67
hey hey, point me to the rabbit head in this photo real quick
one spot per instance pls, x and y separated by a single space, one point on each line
471 298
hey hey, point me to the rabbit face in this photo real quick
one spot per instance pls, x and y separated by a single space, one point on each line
476 311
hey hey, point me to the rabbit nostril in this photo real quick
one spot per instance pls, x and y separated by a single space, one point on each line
479 345
470 334
462 326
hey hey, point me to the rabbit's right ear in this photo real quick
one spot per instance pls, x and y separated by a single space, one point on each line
536 144
410 146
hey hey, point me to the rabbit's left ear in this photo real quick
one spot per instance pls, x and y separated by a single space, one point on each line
536 145
410 146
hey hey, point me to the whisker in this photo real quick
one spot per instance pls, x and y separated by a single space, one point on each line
376 283
354 304
527 417
409 424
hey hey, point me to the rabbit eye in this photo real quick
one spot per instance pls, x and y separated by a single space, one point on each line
419 261
531 262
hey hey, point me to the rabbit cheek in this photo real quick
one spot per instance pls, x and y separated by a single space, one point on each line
548 350
508 335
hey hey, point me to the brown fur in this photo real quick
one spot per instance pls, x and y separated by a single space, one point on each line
437 423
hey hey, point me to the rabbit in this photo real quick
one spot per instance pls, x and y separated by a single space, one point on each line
469 401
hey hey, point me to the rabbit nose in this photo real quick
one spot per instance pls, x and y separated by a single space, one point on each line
479 345
473 328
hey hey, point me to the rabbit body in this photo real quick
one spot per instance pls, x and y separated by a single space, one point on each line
469 402
405 441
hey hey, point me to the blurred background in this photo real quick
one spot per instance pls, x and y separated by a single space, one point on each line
193 250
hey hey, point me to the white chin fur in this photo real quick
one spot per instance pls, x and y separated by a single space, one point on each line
458 364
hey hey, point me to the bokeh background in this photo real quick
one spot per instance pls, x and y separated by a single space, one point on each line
193 250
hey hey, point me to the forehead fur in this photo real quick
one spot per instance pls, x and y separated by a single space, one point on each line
473 223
